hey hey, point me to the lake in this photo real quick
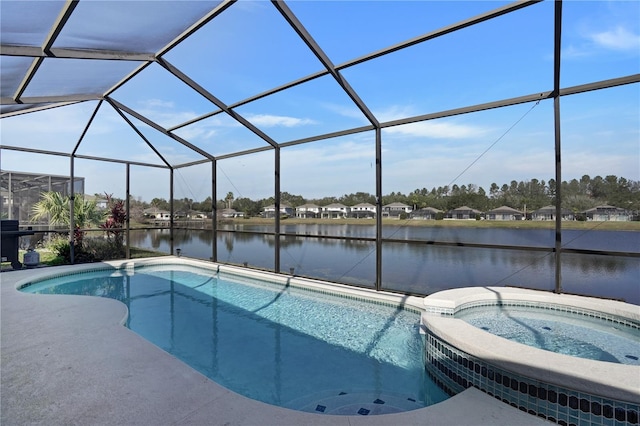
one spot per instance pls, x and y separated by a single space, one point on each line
424 266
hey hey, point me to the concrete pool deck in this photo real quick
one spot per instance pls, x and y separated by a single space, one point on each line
69 360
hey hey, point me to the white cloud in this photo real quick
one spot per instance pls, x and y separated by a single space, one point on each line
618 38
350 111
395 112
438 130
196 132
165 115
156 103
268 120
591 42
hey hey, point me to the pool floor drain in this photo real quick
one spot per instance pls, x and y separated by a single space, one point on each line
633 357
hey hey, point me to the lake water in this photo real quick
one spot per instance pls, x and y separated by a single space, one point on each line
424 267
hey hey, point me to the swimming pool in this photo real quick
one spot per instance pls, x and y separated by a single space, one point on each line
302 347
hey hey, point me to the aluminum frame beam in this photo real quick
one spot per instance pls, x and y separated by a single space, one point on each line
159 128
214 100
62 19
324 59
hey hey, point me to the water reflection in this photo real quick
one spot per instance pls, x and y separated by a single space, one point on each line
420 268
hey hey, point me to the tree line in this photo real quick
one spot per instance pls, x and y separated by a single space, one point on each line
577 196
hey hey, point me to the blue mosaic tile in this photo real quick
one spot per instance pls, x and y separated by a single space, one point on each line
363 411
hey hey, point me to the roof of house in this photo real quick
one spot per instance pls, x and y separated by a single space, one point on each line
396 204
154 210
428 210
465 209
604 208
549 210
273 206
505 209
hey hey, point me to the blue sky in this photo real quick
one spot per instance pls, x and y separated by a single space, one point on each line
249 49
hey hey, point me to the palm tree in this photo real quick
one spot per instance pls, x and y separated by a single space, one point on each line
56 206
229 199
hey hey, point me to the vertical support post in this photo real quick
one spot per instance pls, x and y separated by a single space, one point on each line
171 211
558 222
214 211
10 200
128 210
277 207
558 145
378 209
72 224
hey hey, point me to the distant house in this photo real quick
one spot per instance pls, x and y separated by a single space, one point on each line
463 213
231 213
156 213
394 210
194 214
549 213
363 210
504 213
308 211
607 213
427 213
270 211
334 211
101 203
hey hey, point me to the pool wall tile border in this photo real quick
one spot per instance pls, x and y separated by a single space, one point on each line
455 370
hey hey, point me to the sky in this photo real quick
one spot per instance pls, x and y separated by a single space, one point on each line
250 49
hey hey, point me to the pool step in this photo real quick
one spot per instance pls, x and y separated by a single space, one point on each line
355 403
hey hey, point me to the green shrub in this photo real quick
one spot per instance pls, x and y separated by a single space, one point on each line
60 245
104 248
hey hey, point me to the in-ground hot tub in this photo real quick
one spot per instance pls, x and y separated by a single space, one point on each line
558 387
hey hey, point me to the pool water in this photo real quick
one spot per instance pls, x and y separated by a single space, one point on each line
272 342
558 331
